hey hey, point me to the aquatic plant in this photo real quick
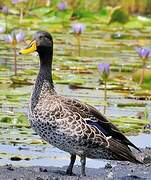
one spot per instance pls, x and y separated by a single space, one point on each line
18 1
118 14
13 39
62 6
62 12
104 71
78 29
144 54
21 5
20 37
5 11
2 29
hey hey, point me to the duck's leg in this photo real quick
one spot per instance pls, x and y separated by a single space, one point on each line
83 163
70 167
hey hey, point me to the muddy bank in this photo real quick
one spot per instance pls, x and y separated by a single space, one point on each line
121 171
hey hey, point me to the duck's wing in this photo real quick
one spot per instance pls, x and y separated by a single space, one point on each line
110 129
99 132
93 118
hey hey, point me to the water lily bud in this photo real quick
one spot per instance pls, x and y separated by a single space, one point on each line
2 29
104 70
78 28
62 6
5 10
144 53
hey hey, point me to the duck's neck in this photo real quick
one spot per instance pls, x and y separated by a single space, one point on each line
45 71
44 82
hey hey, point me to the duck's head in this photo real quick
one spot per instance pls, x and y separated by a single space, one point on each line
42 43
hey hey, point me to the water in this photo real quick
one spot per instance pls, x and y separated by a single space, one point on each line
41 155
96 47
46 155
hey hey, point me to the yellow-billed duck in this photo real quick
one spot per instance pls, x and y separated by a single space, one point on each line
67 123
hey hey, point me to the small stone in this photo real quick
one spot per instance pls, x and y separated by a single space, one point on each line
147 159
42 169
147 126
110 175
149 148
39 178
10 167
140 115
108 166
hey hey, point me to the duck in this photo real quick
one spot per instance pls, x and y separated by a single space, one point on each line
67 123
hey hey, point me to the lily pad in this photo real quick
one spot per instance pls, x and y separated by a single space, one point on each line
18 119
131 104
28 72
134 24
15 158
130 124
141 94
20 80
22 119
6 119
3 68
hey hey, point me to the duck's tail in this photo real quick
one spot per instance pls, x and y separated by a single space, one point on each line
121 152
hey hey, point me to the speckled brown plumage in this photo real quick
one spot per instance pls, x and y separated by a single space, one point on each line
70 124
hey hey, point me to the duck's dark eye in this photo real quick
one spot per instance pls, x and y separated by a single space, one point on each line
40 37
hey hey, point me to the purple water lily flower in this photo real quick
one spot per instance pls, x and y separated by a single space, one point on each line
8 39
5 10
13 38
144 53
78 28
18 1
62 6
20 37
15 1
104 70
2 29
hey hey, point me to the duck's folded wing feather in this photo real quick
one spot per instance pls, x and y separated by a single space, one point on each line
122 152
94 118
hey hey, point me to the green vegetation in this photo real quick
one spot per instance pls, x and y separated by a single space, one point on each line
147 78
129 124
105 32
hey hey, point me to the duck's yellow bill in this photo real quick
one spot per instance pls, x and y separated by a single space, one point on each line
31 48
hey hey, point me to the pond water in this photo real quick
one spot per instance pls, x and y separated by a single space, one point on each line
75 76
46 155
